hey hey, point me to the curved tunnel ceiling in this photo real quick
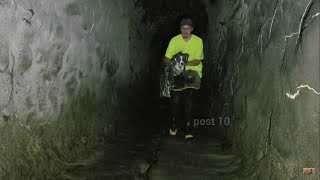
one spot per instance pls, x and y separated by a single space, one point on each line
79 90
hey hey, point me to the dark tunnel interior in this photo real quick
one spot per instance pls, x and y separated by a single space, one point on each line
80 83
146 117
167 26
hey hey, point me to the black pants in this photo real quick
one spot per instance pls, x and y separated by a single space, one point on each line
181 109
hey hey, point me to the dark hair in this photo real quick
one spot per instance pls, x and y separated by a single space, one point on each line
186 21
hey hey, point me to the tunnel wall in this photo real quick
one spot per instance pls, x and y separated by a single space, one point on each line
264 68
64 66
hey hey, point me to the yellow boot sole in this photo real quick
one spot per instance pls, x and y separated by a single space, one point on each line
188 136
173 133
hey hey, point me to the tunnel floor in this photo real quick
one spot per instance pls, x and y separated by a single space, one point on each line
143 149
160 158
126 156
136 154
204 159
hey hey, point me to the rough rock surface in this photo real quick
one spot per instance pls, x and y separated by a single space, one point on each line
264 64
62 66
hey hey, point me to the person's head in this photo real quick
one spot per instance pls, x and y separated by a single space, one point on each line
186 27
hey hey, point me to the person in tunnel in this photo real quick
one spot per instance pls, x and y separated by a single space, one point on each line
182 94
